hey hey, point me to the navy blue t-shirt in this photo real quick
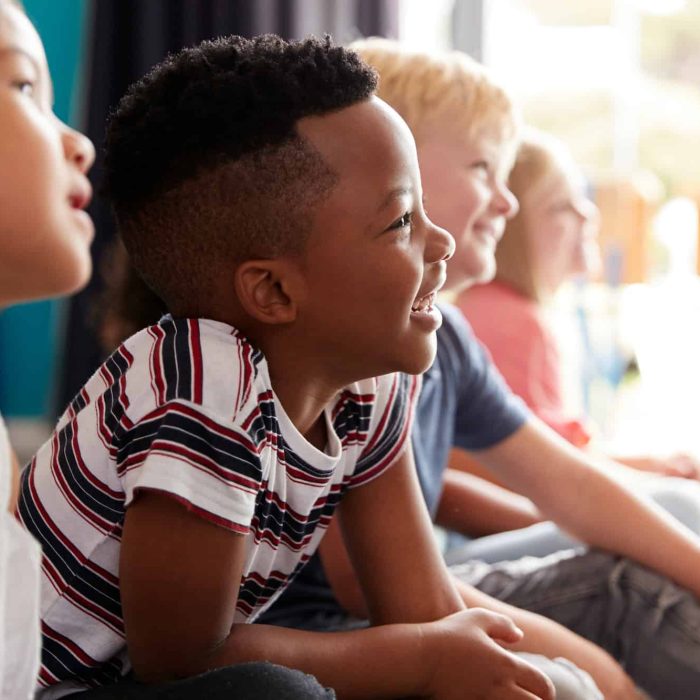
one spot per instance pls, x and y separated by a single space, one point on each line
464 402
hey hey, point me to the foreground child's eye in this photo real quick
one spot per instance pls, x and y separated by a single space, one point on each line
26 87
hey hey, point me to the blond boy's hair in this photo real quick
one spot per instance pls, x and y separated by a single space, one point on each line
426 87
539 156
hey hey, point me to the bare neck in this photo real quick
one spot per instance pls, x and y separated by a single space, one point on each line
302 383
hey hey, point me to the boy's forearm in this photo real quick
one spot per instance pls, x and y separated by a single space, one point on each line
576 492
667 546
476 507
390 661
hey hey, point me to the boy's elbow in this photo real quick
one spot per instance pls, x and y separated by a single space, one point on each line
158 663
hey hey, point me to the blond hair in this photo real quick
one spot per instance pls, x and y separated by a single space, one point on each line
539 157
423 87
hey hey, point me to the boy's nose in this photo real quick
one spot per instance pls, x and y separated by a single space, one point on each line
505 201
77 148
440 246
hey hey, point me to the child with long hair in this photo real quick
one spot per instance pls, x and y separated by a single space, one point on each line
551 240
45 238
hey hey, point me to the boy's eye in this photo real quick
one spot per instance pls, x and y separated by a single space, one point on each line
403 222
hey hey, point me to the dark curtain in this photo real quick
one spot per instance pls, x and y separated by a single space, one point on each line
127 38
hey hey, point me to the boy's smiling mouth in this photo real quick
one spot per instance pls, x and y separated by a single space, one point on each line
426 313
424 304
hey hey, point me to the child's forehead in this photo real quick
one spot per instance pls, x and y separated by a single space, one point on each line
17 34
359 134
497 140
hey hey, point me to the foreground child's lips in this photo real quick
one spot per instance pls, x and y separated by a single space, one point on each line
80 195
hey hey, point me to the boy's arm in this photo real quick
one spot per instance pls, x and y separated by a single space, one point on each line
541 636
386 528
477 507
179 576
570 488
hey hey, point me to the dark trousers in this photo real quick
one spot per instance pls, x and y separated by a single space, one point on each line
250 681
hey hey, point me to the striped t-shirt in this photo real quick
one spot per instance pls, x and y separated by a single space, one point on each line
187 407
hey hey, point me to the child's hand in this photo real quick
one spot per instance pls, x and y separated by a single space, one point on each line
678 464
468 660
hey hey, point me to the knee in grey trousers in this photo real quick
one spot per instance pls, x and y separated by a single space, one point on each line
645 621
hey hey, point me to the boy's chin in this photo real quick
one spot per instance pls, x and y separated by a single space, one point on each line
422 358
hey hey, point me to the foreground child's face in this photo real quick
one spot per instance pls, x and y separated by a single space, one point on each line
561 225
44 234
464 179
373 261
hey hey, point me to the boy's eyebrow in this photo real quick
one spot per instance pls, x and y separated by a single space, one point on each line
395 194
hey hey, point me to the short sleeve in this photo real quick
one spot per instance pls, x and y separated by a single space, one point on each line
211 468
390 426
487 411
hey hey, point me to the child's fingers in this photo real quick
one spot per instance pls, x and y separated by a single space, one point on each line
499 627
533 682
684 465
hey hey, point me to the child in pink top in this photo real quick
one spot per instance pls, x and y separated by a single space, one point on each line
533 371
551 240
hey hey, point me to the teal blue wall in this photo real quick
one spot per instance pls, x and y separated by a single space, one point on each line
29 334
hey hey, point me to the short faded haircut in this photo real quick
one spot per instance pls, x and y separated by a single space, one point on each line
205 167
424 87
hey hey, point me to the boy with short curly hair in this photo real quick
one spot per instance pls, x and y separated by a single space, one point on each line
274 204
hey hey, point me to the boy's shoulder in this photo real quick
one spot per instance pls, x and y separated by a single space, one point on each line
196 361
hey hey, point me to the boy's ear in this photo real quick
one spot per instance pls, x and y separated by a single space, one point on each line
267 290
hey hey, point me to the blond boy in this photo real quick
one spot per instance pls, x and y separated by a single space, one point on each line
466 132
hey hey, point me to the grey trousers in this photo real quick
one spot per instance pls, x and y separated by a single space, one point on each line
570 682
650 625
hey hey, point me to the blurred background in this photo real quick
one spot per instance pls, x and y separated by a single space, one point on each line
617 80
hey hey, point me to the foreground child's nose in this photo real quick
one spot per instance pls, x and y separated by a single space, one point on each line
78 148
440 244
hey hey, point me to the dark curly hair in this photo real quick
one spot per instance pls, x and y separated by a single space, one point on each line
203 162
